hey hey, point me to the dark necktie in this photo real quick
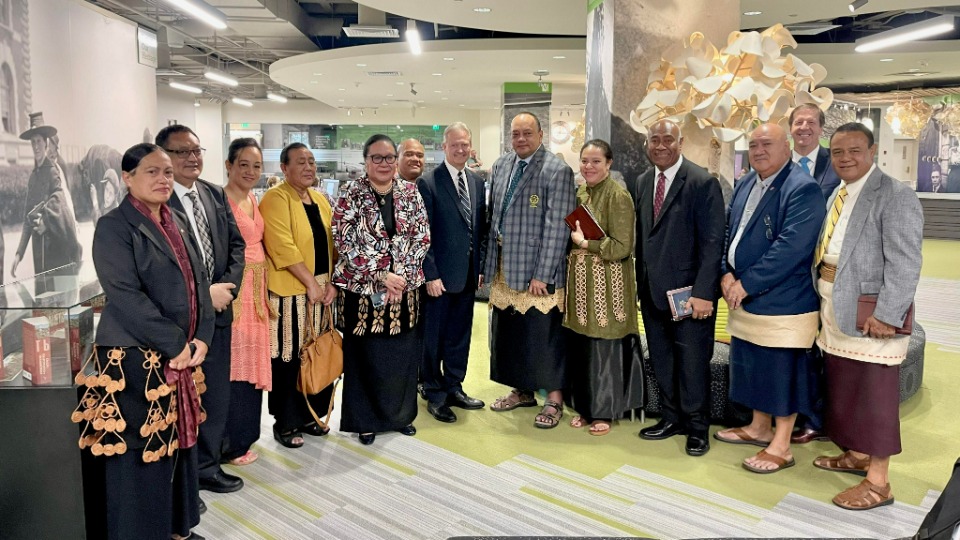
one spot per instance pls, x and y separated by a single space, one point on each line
203 229
464 199
511 188
659 194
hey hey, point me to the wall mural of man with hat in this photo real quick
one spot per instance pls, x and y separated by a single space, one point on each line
48 212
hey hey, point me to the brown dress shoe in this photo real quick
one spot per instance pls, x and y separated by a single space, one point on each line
805 435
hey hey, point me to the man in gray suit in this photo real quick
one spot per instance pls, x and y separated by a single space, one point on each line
532 191
869 247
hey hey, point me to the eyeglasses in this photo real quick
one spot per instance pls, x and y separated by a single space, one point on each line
184 154
378 159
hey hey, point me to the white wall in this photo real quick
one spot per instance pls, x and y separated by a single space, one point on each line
890 153
177 106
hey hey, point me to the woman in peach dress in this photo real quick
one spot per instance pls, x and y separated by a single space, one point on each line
250 372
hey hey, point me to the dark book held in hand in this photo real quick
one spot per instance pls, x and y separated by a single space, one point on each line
679 300
867 303
588 224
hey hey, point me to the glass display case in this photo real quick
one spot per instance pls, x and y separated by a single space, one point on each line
47 329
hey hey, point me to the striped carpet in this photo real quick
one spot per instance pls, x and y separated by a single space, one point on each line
494 474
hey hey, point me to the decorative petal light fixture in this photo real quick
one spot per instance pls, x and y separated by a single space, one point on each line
731 90
912 116
949 118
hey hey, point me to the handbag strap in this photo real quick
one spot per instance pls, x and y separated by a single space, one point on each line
308 320
313 413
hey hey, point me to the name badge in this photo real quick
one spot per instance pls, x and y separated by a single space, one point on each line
534 201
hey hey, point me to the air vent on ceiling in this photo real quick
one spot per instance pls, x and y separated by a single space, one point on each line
810 29
384 73
365 31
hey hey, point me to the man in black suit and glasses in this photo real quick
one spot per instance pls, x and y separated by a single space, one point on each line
454 198
680 228
222 248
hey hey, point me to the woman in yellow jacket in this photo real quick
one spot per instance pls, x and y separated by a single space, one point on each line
300 257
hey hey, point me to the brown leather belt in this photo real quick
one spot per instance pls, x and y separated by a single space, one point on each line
828 272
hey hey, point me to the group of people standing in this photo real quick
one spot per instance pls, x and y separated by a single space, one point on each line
209 292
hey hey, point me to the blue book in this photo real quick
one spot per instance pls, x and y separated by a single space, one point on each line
679 300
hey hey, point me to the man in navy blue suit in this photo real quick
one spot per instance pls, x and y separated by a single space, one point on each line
806 128
774 222
456 208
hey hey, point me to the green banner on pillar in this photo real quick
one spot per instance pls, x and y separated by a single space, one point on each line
593 4
527 88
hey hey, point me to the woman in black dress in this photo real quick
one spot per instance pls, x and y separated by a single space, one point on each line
380 228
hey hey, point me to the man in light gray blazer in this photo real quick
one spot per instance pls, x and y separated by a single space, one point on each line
870 247
532 191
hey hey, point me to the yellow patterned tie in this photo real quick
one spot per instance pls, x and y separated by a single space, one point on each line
831 223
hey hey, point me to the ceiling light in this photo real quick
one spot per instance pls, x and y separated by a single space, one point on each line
482 10
276 97
413 37
438 91
752 13
202 11
243 102
886 59
400 83
314 82
220 77
438 74
342 89
318 74
560 57
857 4
389 95
448 58
196 103
186 88
462 105
444 98
910 32
361 65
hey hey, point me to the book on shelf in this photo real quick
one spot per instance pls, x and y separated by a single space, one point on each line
37 357
80 323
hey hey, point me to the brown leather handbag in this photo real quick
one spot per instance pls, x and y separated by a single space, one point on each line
321 360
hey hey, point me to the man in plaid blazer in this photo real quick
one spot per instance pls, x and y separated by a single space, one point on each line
532 191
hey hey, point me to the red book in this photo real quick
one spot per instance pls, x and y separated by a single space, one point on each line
37 358
588 223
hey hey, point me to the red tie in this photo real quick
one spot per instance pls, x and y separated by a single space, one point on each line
658 195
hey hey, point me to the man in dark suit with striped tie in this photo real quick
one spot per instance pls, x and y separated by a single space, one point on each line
222 248
454 198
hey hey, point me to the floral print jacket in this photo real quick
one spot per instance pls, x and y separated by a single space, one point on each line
366 251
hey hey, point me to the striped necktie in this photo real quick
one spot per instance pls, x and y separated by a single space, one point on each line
464 196
831 224
203 230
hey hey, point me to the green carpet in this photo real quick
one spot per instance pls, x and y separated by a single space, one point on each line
931 438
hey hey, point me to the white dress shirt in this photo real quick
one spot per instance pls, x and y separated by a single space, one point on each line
812 156
670 174
456 182
762 185
840 229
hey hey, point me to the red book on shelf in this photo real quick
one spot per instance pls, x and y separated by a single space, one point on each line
588 224
37 358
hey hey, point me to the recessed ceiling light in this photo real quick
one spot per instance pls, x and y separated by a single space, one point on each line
438 91
389 95
419 101
482 10
399 83
448 58
342 89
751 13
318 74
462 105
886 59
913 70
361 65
559 57
314 82
438 74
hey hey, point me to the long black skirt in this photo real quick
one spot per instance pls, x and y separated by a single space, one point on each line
151 501
863 406
528 350
380 381
606 376
243 424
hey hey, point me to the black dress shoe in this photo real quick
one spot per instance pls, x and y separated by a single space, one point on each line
459 398
442 412
202 506
221 482
661 430
805 435
409 431
195 536
367 438
422 391
698 444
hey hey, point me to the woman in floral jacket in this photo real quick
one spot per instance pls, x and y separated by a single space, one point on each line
380 230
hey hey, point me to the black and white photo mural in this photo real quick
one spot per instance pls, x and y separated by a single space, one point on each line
73 97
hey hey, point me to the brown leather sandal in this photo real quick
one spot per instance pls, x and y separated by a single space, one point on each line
864 496
513 400
845 462
547 420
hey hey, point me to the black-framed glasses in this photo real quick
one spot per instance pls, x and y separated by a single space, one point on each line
378 159
184 154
